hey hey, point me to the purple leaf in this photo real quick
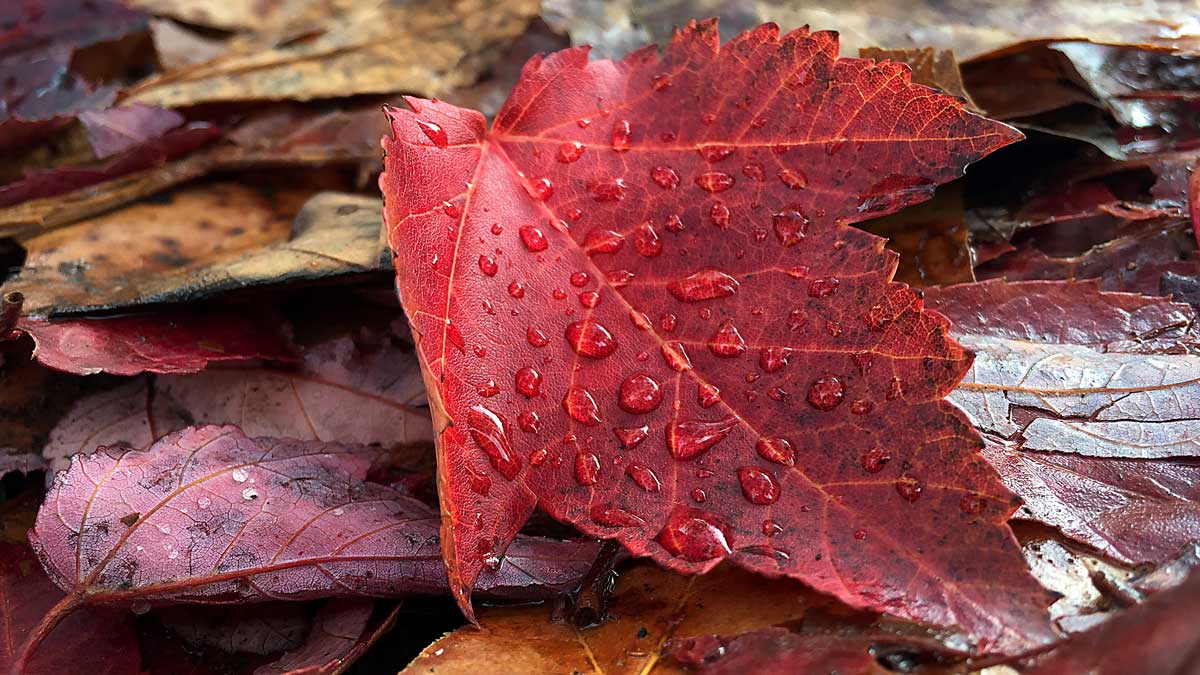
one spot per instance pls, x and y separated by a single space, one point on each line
116 130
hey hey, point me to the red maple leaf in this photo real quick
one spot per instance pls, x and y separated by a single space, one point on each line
638 304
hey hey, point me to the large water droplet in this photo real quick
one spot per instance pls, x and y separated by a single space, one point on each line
719 213
660 82
676 357
707 394
608 190
727 342
480 484
703 285
631 437
434 132
695 535
488 266
826 393
622 133
533 238
790 226
771 528
540 189
715 153
582 408
587 468
249 494
238 475
570 151
536 337
516 289
714 181
603 241
644 477
640 394
758 486
909 488
612 516
488 432
793 178
775 449
689 439
665 177
590 339
528 382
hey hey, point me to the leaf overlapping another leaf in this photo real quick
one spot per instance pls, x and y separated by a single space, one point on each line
637 304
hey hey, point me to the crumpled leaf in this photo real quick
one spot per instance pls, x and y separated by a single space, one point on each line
1099 444
106 640
802 300
969 30
650 607
359 388
199 242
1157 636
210 515
173 342
375 48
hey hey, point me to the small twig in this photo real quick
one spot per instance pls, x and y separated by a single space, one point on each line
10 310
594 593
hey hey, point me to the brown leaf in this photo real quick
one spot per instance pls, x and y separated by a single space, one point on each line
200 241
376 48
651 606
930 238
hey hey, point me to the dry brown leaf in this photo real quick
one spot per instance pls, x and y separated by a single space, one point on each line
651 606
224 14
969 29
199 241
378 48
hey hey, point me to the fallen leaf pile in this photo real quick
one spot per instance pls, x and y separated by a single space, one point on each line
573 337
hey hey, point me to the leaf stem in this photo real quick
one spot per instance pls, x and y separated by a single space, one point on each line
47 625
10 310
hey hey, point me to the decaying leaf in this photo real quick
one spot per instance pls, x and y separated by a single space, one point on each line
376 48
720 325
199 242
930 238
341 631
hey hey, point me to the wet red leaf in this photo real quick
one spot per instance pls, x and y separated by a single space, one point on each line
106 640
341 631
155 343
1157 636
637 304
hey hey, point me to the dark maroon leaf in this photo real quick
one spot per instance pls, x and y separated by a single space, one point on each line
1057 312
208 514
171 342
146 155
105 640
1158 636
116 130
15 461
